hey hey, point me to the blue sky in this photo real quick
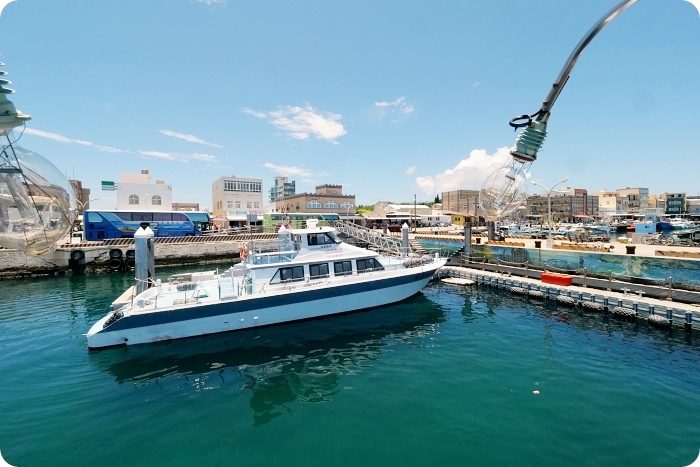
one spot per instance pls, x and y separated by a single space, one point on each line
387 98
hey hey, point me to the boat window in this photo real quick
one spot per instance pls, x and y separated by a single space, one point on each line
342 268
368 264
321 239
295 273
318 270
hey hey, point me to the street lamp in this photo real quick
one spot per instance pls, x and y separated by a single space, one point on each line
347 211
549 206
83 204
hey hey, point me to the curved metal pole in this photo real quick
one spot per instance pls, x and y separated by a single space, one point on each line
534 126
583 43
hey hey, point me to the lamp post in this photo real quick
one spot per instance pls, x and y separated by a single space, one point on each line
82 209
347 211
83 204
549 206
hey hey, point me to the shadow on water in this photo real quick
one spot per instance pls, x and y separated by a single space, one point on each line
301 362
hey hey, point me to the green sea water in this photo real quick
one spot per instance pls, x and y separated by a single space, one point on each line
448 377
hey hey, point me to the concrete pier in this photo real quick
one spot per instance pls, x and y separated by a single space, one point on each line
631 303
97 256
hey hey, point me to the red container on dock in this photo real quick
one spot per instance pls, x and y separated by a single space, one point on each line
556 279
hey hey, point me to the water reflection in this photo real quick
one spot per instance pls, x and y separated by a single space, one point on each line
480 301
279 365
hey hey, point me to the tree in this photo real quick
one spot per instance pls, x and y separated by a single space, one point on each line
437 198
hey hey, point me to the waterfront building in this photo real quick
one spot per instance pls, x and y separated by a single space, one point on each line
464 202
82 196
399 213
675 203
135 192
693 206
633 200
282 188
326 198
184 207
568 205
238 200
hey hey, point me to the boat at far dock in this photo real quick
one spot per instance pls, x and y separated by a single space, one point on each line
310 273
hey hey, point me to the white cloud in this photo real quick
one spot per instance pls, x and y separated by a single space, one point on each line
203 157
303 123
64 139
410 170
400 106
189 138
468 174
289 171
161 155
48 135
254 113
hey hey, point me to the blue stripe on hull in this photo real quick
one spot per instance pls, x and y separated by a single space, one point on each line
258 303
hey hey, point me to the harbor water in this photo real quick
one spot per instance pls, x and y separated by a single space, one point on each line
452 376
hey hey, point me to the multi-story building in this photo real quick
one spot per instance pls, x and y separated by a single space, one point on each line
282 188
465 202
82 196
633 200
326 198
238 200
568 205
135 192
675 203
693 206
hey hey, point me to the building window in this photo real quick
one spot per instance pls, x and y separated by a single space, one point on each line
313 204
238 205
331 205
156 200
229 204
248 205
133 199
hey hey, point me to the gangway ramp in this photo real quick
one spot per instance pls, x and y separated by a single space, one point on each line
384 243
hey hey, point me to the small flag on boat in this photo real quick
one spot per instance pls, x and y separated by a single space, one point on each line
108 186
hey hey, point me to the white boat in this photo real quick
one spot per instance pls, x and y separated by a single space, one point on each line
310 274
679 223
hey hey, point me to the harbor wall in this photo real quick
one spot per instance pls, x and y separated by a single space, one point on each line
99 258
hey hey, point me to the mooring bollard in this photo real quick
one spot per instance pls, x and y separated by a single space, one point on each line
688 320
670 289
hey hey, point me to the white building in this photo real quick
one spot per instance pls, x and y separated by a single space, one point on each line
235 198
135 192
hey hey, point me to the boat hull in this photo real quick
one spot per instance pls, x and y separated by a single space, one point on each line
294 303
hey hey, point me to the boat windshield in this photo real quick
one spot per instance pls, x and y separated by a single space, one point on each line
323 238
